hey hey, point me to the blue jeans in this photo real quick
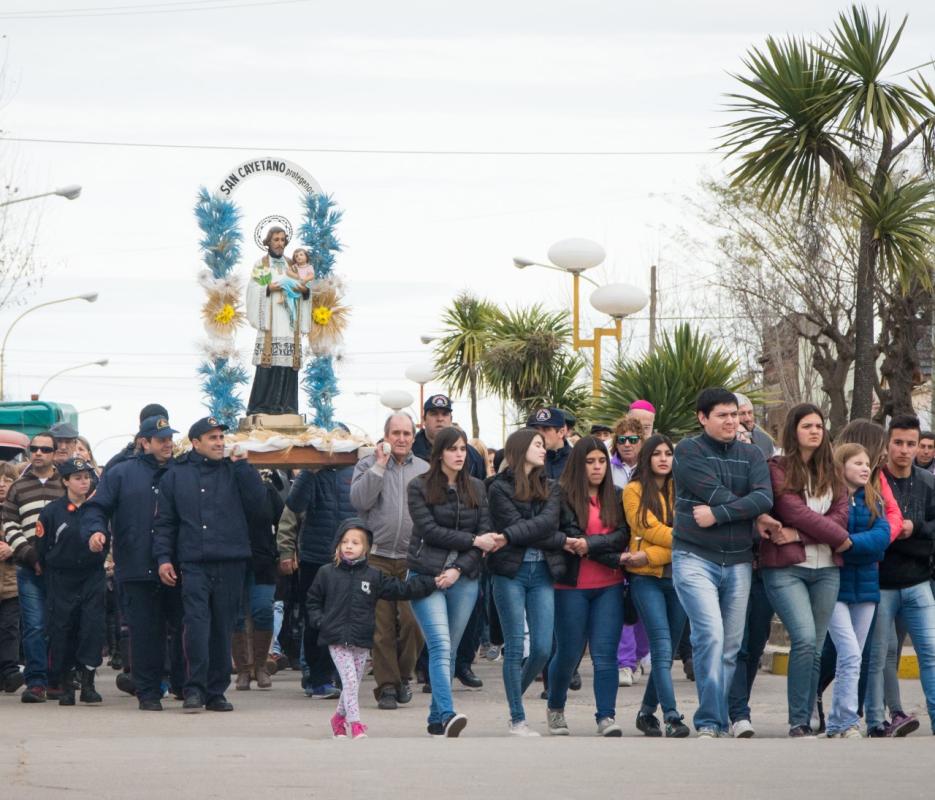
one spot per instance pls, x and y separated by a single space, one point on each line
526 598
258 597
593 617
443 616
755 637
31 588
664 619
916 606
804 600
715 598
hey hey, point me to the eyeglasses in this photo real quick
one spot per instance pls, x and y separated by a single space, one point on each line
37 448
632 439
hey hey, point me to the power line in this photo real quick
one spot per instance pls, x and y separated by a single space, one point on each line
146 8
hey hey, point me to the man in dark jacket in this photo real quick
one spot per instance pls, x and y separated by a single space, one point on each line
905 572
202 527
125 505
722 485
132 448
550 422
436 416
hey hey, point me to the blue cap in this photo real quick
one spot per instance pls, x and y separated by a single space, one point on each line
437 402
74 465
204 425
157 427
546 418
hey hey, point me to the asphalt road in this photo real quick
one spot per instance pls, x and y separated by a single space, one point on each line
277 745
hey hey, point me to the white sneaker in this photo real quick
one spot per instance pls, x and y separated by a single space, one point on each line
742 729
852 733
608 727
625 677
708 733
646 664
556 722
521 729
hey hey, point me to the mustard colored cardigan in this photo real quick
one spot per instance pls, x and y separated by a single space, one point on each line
654 539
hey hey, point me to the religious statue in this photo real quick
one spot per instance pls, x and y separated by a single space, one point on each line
278 307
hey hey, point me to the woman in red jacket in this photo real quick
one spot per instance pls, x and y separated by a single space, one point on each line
800 552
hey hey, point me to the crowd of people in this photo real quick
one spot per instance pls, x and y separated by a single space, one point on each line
188 568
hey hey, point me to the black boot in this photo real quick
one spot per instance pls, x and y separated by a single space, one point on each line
88 692
67 696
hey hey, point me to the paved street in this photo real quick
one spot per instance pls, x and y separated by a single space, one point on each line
276 745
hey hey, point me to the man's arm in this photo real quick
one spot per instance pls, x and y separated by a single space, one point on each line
694 474
366 484
166 524
759 500
287 534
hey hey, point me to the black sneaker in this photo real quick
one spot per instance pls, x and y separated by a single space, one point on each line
125 683
403 693
575 684
877 732
435 729
193 703
426 688
219 703
34 694
387 700
150 705
801 732
676 729
649 725
13 681
454 725
469 679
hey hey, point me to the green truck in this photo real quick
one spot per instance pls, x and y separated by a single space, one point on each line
27 418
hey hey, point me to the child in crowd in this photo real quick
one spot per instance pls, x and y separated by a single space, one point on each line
342 607
869 536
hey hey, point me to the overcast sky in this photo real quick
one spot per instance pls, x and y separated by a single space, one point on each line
504 76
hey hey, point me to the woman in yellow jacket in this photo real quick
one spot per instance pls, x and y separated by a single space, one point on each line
647 502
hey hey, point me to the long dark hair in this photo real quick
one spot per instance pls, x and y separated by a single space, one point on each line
820 475
436 481
533 486
576 489
654 499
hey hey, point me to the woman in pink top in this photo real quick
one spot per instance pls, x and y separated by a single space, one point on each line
589 598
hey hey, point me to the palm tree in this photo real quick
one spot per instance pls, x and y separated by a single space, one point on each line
811 109
565 390
670 377
460 351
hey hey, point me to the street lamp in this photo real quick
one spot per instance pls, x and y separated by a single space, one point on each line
421 374
103 362
95 408
426 339
90 297
396 399
70 192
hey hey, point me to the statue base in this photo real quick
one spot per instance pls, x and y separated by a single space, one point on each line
287 424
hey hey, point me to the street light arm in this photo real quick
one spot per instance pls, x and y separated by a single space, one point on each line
68 192
99 363
522 263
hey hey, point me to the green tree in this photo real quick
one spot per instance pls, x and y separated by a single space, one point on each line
459 353
565 390
811 110
670 377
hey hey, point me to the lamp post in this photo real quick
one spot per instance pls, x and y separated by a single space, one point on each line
71 192
90 297
421 374
396 400
103 362
95 408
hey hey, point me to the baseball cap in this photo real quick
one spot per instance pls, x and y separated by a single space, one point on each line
74 465
204 425
437 402
546 418
155 426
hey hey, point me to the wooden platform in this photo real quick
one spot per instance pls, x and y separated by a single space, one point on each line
301 458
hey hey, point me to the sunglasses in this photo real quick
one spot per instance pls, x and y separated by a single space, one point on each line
632 439
36 448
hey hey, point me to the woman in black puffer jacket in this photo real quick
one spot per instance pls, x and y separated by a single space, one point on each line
524 510
450 531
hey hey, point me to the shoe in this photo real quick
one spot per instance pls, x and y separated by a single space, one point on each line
358 730
426 688
543 695
33 694
339 726
116 662
821 716
493 652
150 705
521 728
387 700
453 726
876 732
555 719
469 679
193 703
55 692
742 729
261 644
852 733
648 724
608 727
126 684
67 695
901 725
707 733
801 732
575 684
625 677
688 666
219 703
88 693
13 681
676 729
403 693
326 692
435 729
243 661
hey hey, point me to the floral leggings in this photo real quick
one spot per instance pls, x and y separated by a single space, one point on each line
350 662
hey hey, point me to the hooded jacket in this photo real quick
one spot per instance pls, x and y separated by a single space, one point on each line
860 573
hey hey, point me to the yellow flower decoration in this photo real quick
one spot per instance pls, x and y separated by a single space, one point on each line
321 315
225 315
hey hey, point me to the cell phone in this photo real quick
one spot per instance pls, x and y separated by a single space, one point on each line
387 448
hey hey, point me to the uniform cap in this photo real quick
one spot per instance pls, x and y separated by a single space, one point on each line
437 402
546 418
74 465
157 427
204 425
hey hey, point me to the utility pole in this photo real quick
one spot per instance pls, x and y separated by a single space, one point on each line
653 304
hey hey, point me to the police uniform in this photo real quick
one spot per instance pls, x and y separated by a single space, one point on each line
76 588
202 528
555 460
125 504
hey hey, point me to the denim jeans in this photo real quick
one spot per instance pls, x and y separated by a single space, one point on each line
849 627
916 606
715 598
804 600
31 588
527 597
258 598
443 616
755 637
593 617
664 619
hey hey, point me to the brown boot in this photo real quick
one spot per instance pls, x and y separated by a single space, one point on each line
240 650
261 643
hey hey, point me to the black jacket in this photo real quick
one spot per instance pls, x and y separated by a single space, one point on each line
204 511
909 561
442 534
555 461
525 524
59 541
323 500
122 455
263 535
604 548
421 448
125 505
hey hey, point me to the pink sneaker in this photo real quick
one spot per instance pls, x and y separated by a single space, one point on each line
339 726
358 730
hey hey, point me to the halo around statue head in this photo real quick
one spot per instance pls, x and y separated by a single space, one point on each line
263 226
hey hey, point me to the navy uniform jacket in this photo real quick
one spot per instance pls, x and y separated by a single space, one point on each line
203 510
555 461
126 498
59 540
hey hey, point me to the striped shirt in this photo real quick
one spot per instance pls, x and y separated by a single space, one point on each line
26 498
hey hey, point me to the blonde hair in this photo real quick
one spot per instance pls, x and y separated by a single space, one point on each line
337 547
844 453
